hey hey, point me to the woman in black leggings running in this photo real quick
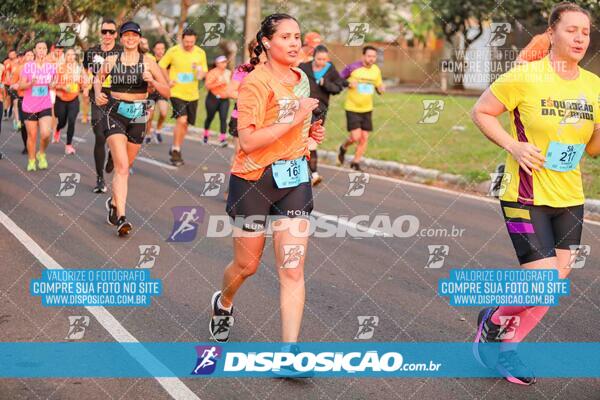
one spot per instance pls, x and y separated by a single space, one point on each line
70 79
217 83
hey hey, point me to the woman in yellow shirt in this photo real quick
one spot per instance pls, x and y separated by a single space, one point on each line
553 104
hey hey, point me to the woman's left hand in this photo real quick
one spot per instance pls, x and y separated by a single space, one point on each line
317 131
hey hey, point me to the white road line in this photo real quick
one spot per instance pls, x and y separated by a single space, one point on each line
174 386
449 192
358 227
415 184
157 163
79 140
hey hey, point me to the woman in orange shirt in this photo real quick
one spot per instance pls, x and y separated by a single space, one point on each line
269 177
14 86
217 82
71 78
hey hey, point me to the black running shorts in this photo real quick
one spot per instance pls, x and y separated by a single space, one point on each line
249 203
536 231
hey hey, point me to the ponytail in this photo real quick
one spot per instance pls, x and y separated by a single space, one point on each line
258 49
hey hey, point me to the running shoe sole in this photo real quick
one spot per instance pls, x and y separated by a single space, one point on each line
513 379
124 229
212 313
107 205
212 307
483 316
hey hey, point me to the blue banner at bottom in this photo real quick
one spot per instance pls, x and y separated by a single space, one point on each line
268 360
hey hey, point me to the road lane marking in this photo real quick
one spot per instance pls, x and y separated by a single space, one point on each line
174 386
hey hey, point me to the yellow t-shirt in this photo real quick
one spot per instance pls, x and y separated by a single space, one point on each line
360 98
545 108
181 70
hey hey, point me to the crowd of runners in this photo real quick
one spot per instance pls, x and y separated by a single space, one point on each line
281 100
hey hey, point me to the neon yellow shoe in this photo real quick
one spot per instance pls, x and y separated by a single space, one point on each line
31 166
42 162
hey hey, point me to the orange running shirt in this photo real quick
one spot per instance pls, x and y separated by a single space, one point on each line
70 75
263 101
217 81
16 77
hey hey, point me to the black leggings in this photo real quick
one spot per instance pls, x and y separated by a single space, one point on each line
99 127
312 163
22 119
66 112
213 104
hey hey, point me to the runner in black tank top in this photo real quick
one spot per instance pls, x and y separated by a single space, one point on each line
130 73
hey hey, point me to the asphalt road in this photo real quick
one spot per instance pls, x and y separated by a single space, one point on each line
346 277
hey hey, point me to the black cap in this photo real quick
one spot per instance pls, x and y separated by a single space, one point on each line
130 26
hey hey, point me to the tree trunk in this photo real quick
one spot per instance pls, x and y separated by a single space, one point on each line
185 5
161 27
251 23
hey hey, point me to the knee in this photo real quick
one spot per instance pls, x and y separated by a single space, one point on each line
247 267
363 139
292 275
121 167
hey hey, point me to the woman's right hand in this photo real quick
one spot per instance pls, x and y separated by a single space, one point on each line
306 107
101 99
527 155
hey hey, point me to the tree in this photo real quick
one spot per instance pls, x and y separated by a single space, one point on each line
421 24
24 21
456 17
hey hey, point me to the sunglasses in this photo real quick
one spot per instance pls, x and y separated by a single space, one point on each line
108 31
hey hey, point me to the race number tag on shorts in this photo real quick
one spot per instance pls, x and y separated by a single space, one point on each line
563 157
39 91
290 173
365 88
131 110
185 77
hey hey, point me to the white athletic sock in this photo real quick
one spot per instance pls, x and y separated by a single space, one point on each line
175 148
222 307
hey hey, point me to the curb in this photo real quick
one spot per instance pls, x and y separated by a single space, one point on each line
429 176
416 174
